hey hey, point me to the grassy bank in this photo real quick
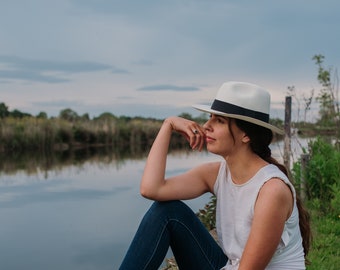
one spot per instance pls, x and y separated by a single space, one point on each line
325 251
134 135
46 135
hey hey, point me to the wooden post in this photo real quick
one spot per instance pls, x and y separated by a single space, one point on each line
287 136
304 163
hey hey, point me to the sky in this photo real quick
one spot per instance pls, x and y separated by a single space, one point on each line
155 58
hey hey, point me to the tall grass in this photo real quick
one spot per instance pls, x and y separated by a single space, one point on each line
46 135
27 133
325 250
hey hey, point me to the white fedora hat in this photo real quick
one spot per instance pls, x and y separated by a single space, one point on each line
244 101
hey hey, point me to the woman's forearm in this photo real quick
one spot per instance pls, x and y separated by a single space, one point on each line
154 171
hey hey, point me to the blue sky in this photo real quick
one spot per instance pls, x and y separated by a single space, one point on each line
158 57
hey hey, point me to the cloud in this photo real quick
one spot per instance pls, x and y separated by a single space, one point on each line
30 75
135 9
168 87
58 103
143 62
12 67
119 71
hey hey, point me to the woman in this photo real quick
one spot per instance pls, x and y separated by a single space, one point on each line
257 212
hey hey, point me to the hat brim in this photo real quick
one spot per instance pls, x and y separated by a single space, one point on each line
207 109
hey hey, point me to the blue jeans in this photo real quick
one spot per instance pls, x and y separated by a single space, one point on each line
173 224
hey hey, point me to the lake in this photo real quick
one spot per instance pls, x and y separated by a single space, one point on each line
78 214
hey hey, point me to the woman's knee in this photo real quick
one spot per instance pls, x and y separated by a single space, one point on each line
166 207
169 210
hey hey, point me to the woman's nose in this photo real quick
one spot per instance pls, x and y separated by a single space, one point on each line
206 125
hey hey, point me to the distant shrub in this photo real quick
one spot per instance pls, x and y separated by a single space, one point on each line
322 173
207 215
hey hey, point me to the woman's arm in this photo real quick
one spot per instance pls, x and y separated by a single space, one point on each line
188 185
273 207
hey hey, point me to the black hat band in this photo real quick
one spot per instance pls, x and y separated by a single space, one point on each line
226 107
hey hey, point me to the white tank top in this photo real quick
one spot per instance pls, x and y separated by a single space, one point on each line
234 215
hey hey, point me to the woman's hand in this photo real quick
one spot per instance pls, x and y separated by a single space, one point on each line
193 132
188 185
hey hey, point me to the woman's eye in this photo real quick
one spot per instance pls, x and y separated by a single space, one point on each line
220 120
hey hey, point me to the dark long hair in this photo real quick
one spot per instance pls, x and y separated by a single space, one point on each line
260 139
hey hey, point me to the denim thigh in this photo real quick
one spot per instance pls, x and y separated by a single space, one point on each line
173 224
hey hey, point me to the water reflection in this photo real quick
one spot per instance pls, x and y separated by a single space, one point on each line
33 163
74 211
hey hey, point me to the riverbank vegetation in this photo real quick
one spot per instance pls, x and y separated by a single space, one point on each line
21 132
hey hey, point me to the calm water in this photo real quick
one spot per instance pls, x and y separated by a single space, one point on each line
79 216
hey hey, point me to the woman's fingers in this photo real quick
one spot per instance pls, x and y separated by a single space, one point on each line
197 138
193 132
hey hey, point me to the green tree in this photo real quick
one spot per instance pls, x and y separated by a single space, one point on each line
69 115
3 110
85 117
327 98
186 115
18 114
106 116
42 115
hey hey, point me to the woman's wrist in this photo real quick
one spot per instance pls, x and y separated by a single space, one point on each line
169 123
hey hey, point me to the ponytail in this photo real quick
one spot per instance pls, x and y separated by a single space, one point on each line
260 138
304 217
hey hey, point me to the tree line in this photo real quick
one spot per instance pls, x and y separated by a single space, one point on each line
23 132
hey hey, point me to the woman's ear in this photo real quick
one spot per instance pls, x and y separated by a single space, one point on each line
245 138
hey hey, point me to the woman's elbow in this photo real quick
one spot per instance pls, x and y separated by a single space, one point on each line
144 192
150 193
147 193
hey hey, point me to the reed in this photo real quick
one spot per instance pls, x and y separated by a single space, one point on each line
44 135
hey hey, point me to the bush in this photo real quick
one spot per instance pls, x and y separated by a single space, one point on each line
321 174
207 215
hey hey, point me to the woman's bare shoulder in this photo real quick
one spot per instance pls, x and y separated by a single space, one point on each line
209 167
209 171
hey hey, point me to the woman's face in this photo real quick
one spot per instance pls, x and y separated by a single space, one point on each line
223 137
